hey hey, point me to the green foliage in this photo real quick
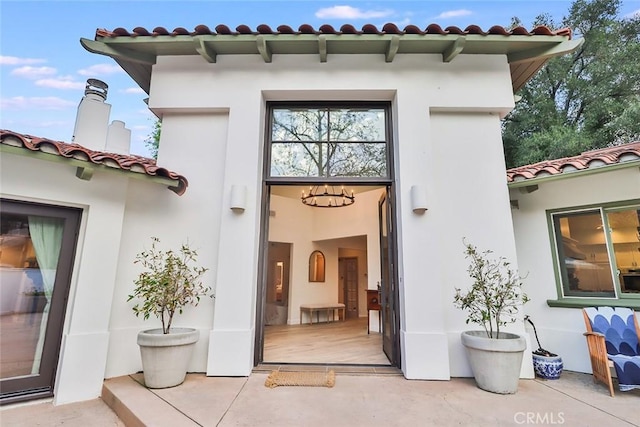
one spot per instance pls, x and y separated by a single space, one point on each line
585 100
493 299
153 140
168 283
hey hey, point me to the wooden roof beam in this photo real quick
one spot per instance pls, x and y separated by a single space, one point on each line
204 50
454 49
392 49
322 47
263 48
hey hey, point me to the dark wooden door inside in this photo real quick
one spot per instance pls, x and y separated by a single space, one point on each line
350 277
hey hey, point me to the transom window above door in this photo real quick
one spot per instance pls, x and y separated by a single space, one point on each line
329 141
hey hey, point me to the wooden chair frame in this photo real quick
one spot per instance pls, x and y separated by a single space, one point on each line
600 363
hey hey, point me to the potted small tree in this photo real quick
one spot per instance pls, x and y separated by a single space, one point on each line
492 301
168 283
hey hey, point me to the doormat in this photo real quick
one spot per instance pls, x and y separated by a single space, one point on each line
308 379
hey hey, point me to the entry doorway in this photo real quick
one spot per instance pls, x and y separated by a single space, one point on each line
349 241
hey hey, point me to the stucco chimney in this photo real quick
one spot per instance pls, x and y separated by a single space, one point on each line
118 138
92 120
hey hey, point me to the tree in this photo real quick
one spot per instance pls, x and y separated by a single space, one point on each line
153 140
585 100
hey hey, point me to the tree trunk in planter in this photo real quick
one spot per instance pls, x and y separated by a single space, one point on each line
495 363
166 357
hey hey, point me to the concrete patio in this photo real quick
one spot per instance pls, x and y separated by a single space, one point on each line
384 399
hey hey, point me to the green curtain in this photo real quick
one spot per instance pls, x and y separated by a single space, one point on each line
46 237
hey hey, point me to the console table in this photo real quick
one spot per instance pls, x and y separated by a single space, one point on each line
317 308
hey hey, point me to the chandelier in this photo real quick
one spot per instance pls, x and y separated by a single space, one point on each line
327 197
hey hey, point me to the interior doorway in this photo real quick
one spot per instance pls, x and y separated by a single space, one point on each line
349 241
277 283
348 286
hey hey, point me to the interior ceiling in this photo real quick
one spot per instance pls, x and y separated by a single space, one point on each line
295 191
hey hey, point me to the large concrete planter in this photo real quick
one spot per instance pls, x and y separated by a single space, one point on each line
495 363
165 357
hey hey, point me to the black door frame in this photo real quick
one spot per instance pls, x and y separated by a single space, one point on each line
268 181
41 385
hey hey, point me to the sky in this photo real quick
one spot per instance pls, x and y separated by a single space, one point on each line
43 67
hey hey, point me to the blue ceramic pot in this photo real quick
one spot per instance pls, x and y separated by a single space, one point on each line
547 367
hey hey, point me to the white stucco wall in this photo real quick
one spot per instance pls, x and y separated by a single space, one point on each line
83 353
446 139
447 136
560 329
152 210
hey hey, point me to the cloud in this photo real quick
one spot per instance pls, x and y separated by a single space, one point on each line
634 14
348 12
38 103
454 13
60 83
100 69
403 23
29 72
135 90
14 60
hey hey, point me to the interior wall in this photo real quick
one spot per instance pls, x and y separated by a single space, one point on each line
326 230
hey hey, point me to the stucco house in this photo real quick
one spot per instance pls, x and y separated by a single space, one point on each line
310 168
576 222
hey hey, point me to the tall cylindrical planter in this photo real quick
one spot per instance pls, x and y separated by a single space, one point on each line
495 363
166 357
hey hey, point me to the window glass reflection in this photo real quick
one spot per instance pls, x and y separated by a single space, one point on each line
29 252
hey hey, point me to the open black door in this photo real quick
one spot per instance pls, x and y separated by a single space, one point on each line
388 286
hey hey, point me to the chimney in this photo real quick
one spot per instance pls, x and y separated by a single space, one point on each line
92 119
118 138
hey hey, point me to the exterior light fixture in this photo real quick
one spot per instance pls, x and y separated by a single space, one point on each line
327 197
238 198
418 199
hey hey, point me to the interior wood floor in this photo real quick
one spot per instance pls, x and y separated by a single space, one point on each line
334 342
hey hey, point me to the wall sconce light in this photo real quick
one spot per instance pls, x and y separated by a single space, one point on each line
418 199
238 198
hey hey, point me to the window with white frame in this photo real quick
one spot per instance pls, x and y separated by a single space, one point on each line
598 251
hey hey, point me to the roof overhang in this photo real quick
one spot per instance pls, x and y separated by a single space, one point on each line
542 178
88 161
136 54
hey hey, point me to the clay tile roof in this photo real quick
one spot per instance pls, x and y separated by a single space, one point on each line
129 163
388 28
285 29
243 29
588 160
